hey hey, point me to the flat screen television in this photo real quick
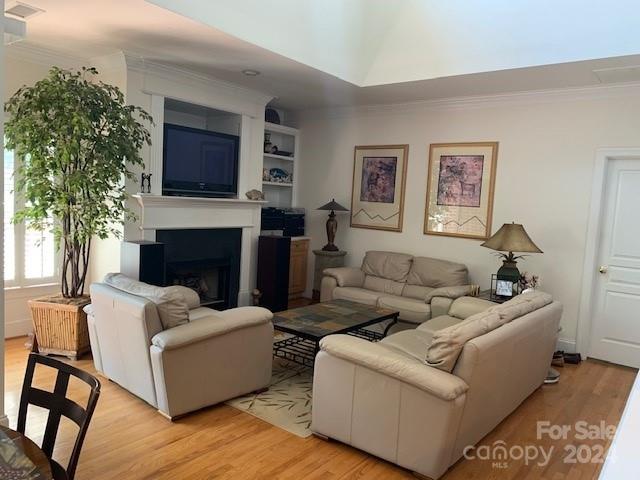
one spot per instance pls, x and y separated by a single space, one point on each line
199 162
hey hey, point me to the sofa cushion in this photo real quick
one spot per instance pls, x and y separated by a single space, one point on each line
416 291
383 285
439 323
191 297
390 265
410 309
171 305
355 294
448 342
411 342
433 272
521 305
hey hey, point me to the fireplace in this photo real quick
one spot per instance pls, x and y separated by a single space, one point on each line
205 260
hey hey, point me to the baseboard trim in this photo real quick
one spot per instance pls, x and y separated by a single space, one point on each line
18 328
565 345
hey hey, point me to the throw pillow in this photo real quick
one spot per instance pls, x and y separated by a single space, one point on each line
171 304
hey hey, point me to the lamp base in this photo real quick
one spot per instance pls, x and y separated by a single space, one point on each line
509 271
330 247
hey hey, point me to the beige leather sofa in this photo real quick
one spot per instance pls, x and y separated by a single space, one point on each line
418 287
211 358
419 397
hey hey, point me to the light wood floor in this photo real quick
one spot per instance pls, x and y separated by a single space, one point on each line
129 440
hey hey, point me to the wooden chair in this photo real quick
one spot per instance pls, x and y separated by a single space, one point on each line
58 404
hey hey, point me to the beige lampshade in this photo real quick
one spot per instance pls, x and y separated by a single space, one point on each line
511 237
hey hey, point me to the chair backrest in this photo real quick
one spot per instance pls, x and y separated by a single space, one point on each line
58 405
124 326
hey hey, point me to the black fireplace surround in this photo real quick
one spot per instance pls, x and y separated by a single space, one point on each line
206 260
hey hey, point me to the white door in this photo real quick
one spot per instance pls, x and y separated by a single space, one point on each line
615 329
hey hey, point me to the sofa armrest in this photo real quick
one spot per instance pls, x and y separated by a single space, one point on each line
213 326
464 307
346 276
449 292
381 359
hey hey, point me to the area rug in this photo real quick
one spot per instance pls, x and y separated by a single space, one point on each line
287 403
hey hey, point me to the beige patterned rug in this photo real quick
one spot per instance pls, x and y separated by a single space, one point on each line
287 403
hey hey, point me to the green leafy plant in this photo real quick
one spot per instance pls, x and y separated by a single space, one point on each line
76 140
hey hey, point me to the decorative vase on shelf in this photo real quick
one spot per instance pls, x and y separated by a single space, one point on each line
267 143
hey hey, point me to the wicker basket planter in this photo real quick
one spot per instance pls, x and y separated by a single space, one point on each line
60 325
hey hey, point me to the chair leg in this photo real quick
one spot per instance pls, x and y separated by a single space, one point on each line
172 419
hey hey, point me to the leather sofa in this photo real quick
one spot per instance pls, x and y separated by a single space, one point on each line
209 358
419 288
420 397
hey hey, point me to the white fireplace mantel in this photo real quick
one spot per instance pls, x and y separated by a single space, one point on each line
161 212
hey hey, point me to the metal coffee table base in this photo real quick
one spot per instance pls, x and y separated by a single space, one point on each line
303 350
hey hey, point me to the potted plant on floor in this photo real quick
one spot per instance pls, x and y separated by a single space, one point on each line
75 139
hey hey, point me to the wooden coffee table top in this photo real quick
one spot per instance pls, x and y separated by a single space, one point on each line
337 316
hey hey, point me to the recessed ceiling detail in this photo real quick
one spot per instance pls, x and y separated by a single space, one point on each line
327 53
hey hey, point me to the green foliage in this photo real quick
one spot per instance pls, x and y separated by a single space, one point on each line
76 139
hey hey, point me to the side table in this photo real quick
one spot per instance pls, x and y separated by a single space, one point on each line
553 376
323 260
492 297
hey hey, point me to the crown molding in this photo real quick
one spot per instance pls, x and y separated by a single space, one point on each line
31 53
571 94
140 64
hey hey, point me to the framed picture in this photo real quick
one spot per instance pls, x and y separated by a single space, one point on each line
504 288
460 183
379 178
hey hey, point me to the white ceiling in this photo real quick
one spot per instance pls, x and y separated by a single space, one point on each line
314 54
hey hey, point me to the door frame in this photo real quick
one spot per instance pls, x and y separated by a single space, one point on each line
592 247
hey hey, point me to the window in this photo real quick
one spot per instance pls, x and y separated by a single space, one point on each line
29 255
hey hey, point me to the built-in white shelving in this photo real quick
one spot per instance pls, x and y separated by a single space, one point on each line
278 184
282 138
279 157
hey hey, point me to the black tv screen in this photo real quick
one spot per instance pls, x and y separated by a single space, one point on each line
199 162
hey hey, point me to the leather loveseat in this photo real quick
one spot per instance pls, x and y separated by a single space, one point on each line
419 288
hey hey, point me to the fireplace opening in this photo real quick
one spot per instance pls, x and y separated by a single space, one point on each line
209 279
205 260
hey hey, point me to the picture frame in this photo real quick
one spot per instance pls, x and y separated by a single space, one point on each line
378 187
504 288
460 188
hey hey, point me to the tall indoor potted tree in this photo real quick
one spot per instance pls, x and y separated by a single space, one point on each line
75 139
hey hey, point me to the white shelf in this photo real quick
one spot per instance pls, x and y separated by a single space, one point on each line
279 157
278 184
274 127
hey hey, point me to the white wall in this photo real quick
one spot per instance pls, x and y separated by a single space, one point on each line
544 169
3 417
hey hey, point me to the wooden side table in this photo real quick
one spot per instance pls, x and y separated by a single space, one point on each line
492 297
325 260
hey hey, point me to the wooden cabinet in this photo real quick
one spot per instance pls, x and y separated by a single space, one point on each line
298 267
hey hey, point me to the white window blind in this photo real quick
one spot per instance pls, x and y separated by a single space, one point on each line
30 256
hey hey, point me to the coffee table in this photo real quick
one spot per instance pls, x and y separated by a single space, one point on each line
308 325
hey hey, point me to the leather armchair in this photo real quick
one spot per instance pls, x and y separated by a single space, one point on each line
212 358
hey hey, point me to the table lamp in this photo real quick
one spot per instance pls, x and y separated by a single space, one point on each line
511 237
332 223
